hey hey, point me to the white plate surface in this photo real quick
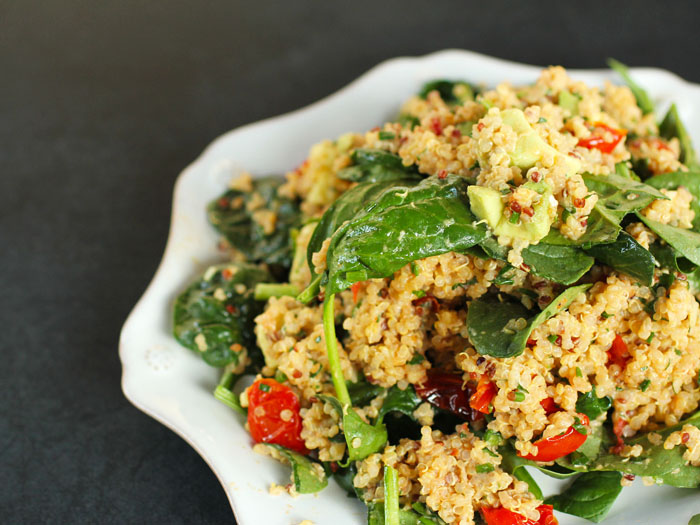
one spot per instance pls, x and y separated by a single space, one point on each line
174 386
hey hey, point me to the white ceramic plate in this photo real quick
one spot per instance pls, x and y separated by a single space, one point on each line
174 386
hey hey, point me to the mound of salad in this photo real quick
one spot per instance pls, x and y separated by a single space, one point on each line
499 280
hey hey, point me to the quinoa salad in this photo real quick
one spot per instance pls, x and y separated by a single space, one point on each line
500 280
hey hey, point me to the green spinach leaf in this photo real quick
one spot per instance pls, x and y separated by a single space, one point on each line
490 325
362 438
590 496
230 215
618 196
667 257
670 127
217 311
451 91
307 475
592 405
626 256
493 324
405 223
664 466
561 264
403 401
685 242
376 165
694 520
643 99
363 392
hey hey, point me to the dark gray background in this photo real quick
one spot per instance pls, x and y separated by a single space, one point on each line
101 106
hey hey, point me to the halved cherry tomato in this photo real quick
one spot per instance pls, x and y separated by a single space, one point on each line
482 398
598 140
444 390
556 447
503 516
273 415
618 353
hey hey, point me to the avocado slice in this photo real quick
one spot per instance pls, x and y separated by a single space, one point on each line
530 147
486 204
543 217
569 100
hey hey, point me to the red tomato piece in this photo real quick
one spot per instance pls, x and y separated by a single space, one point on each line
503 516
556 447
355 290
600 140
273 415
444 390
618 353
482 398
549 406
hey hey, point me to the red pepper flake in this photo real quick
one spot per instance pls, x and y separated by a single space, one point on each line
456 133
454 452
480 126
584 222
334 466
442 174
685 437
227 274
515 206
557 341
598 140
535 176
579 203
297 374
531 342
618 429
524 267
529 211
231 309
355 290
222 202
436 125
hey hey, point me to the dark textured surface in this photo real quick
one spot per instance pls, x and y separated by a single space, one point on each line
101 105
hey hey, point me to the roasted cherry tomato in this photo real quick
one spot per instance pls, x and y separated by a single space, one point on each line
482 398
444 390
556 447
503 516
618 353
604 138
273 415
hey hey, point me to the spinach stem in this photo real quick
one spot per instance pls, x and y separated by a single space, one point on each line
341 389
229 399
311 291
391 496
263 291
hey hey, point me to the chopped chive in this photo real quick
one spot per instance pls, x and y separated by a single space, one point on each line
514 217
552 338
605 315
264 387
651 336
490 453
484 468
415 269
678 352
386 135
578 372
280 377
419 293
644 385
541 120
519 397
493 438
